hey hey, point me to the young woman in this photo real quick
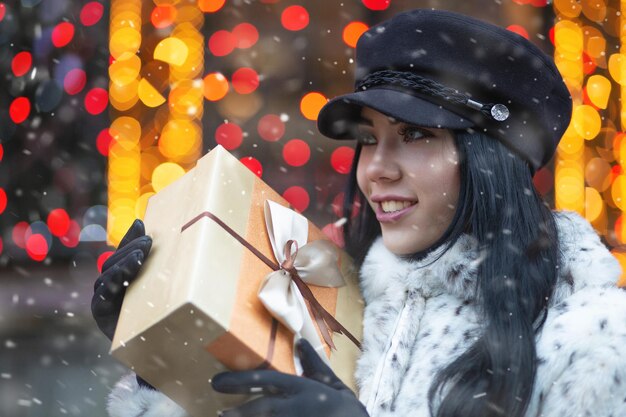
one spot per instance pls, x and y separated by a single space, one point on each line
480 301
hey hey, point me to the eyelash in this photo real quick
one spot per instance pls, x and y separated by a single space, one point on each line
403 131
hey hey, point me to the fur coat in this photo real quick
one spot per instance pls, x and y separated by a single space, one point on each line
418 319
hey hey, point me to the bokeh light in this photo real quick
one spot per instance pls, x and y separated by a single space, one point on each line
74 81
91 13
103 142
171 50
22 61
296 152
298 197
149 95
37 247
165 174
519 29
245 80
229 135
271 128
62 34
352 32
210 6
245 35
376 4
222 43
163 15
102 258
58 222
311 104
253 165
341 159
96 100
19 109
3 200
294 18
215 86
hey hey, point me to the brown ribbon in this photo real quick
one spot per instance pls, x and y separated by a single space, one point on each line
325 321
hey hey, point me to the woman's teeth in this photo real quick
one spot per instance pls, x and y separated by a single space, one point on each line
389 206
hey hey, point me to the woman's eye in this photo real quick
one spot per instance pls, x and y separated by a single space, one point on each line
366 138
411 134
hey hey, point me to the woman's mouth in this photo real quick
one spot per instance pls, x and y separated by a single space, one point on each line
391 211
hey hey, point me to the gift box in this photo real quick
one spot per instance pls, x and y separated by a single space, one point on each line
220 236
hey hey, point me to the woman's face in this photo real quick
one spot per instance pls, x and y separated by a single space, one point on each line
410 177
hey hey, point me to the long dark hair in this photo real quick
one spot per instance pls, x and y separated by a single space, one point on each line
515 228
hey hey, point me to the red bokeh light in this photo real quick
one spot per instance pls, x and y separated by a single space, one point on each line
253 165
19 109
271 128
58 222
589 64
337 206
296 152
21 63
62 34
341 159
37 247
298 197
539 3
294 18
163 16
520 30
103 258
3 11
103 141
74 81
1 245
246 35
222 43
551 35
3 200
245 80
19 234
96 100
335 234
1 151
71 238
229 135
91 13
587 100
376 4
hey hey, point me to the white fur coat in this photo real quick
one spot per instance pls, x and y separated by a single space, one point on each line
417 319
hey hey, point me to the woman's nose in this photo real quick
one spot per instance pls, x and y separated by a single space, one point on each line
383 165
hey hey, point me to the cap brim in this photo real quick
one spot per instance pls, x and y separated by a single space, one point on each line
338 118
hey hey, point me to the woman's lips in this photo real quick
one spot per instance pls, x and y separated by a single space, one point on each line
393 216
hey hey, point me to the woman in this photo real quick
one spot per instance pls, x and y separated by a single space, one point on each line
480 301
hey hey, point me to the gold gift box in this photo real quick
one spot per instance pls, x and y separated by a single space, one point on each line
194 311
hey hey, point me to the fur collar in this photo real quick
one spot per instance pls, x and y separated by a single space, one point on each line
454 273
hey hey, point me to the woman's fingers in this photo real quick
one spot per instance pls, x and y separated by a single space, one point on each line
143 243
314 367
135 230
256 382
112 283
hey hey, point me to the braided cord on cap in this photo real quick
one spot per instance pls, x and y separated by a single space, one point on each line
432 88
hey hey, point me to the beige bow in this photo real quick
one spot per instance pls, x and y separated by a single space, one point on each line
315 263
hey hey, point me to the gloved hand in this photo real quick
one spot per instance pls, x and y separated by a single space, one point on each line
318 393
117 273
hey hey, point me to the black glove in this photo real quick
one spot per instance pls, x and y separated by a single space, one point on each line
117 273
318 393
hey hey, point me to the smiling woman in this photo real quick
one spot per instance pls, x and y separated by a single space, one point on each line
410 177
480 301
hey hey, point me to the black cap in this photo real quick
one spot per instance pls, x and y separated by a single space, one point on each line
440 69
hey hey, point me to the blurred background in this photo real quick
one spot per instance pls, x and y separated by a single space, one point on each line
102 104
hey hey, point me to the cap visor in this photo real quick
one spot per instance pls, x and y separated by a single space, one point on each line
338 118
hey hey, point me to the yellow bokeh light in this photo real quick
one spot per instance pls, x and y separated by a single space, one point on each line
185 98
141 204
571 143
123 167
587 121
215 86
599 90
179 138
148 94
568 8
593 204
311 104
568 39
123 97
166 173
617 68
210 6
171 50
618 192
126 131
123 40
597 173
125 69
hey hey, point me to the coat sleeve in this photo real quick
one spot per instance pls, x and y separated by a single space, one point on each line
582 368
128 399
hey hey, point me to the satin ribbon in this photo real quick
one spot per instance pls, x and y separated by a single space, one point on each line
283 291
